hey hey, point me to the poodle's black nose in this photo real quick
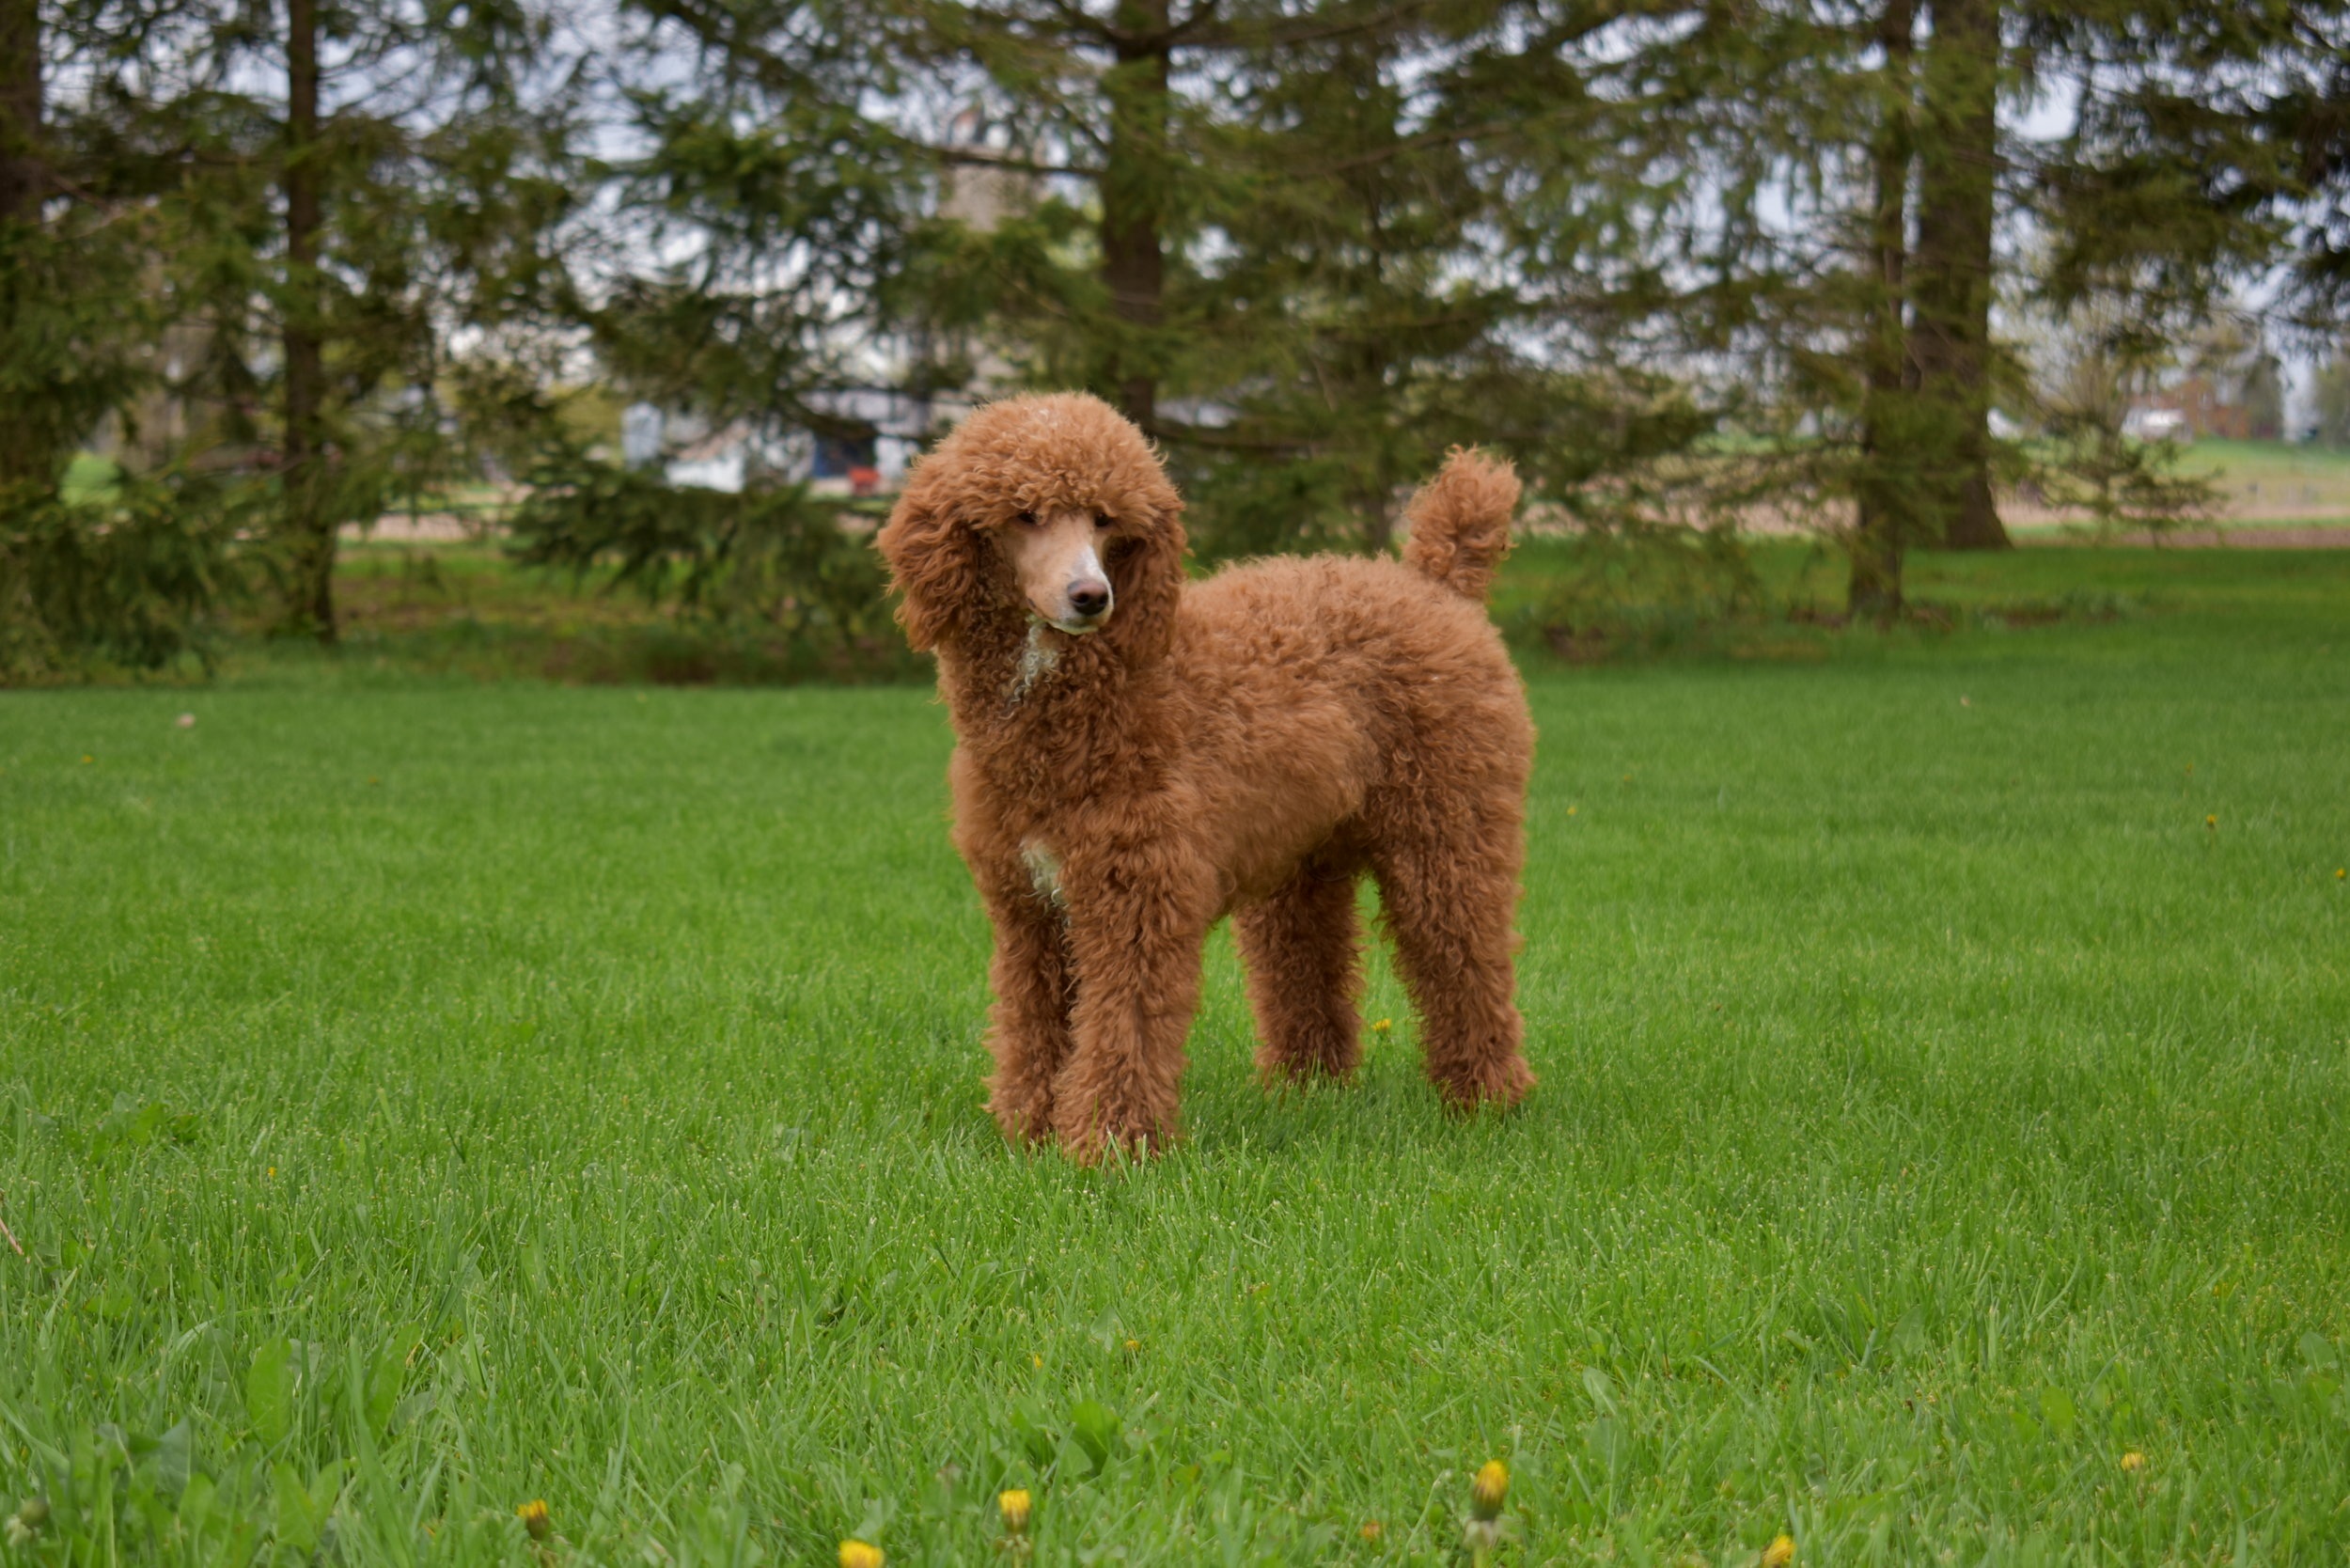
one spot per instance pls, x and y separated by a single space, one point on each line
1090 599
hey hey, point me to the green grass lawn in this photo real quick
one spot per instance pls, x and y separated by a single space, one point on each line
425 1096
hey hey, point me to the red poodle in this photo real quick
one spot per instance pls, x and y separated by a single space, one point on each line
1141 756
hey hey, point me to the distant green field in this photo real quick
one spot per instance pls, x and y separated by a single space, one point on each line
2273 483
424 1096
2265 459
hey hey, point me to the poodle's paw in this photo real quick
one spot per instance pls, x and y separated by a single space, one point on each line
1500 1082
1113 1133
1024 1113
1331 1060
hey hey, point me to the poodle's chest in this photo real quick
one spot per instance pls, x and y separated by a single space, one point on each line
1043 867
1039 657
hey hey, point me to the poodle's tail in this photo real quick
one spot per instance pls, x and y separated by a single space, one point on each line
1460 522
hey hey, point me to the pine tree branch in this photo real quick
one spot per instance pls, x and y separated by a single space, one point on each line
1291 33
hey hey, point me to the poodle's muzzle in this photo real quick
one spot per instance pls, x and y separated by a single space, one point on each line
1059 562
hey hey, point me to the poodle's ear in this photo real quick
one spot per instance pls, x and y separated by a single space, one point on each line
1147 577
935 564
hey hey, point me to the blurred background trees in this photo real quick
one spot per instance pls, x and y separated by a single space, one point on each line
291 265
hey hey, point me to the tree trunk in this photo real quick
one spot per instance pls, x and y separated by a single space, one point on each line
1133 205
25 455
1951 276
1882 532
20 110
310 529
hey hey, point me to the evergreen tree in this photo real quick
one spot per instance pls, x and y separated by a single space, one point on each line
347 184
1125 102
763 227
1414 269
69 314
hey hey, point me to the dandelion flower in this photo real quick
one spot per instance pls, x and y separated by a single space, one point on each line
2211 822
1036 1359
1490 1490
1570 810
2340 871
533 1517
2133 1460
88 758
1014 1506
1132 1345
27 1521
1779 1553
858 1554
1381 1025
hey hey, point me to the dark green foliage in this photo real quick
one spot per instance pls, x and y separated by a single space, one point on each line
131 577
791 213
773 560
72 321
2209 145
1635 585
2126 485
433 184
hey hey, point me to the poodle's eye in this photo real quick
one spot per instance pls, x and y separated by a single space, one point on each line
1104 520
1027 520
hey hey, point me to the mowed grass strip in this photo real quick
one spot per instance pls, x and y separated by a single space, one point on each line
422 1099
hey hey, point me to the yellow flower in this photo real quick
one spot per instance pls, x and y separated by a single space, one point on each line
1381 1025
856 1553
1132 1345
1371 1530
2211 822
1014 1505
1570 810
2340 871
1036 1359
533 1517
1779 1553
1490 1490
2133 1460
88 758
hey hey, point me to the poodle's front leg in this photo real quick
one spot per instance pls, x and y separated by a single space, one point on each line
1136 925
1028 1027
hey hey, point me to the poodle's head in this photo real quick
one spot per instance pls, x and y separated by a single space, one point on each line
1053 508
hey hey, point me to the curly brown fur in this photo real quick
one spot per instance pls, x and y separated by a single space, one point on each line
1250 744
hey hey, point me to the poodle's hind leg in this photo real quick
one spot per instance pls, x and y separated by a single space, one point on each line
1303 951
1447 903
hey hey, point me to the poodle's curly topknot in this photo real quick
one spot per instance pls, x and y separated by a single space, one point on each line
1250 745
